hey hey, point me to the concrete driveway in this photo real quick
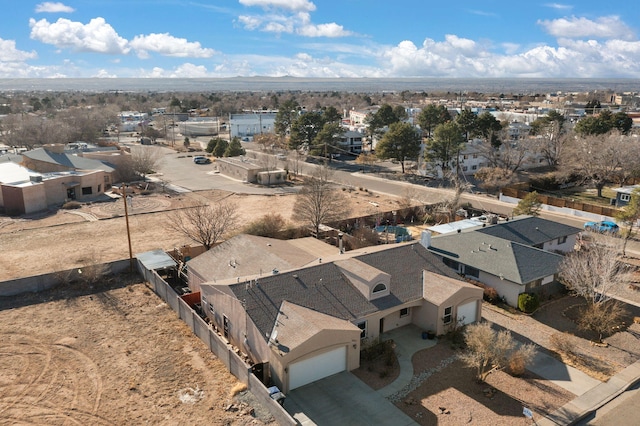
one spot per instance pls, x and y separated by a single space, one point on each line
342 399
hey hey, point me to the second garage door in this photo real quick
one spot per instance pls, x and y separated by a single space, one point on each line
467 312
317 367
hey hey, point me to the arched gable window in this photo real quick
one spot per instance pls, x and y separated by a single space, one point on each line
379 288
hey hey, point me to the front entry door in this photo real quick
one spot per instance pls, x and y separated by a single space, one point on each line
71 193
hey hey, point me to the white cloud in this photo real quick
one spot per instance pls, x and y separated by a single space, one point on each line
459 57
168 45
323 30
51 7
186 70
250 22
96 36
559 6
293 5
605 27
9 53
293 23
104 74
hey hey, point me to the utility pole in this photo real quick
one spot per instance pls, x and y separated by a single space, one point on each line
126 218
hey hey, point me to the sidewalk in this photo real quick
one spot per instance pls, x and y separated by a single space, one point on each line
408 341
594 398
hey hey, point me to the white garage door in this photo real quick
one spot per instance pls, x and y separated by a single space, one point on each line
467 312
317 367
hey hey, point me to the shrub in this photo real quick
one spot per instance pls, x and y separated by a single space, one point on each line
562 344
517 364
528 302
489 294
71 205
268 225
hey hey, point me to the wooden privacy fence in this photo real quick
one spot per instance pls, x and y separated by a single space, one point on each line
562 202
234 363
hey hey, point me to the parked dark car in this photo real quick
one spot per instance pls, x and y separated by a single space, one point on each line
605 227
201 160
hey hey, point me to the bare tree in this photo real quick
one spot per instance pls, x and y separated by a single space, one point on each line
205 224
451 204
594 271
489 350
508 155
596 158
318 201
145 159
494 178
31 131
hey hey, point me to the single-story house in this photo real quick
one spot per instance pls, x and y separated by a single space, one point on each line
511 268
309 323
248 256
536 232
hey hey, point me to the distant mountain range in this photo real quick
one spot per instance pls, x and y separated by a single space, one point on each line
285 84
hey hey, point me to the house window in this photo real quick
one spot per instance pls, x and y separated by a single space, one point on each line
225 326
99 187
562 240
473 272
475 155
87 190
447 315
474 167
464 168
404 312
379 288
451 263
211 308
464 157
625 197
362 326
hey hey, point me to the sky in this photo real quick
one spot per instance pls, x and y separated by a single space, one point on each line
321 38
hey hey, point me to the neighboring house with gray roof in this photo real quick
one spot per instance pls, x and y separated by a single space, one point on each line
536 232
514 257
309 322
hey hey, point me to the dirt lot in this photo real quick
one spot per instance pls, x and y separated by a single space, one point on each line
110 355
67 239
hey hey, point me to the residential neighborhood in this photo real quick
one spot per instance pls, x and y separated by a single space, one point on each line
432 252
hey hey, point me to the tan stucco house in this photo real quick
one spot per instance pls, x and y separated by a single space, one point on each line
311 321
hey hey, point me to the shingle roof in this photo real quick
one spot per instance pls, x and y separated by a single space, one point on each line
323 288
530 230
296 325
513 261
248 255
68 160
